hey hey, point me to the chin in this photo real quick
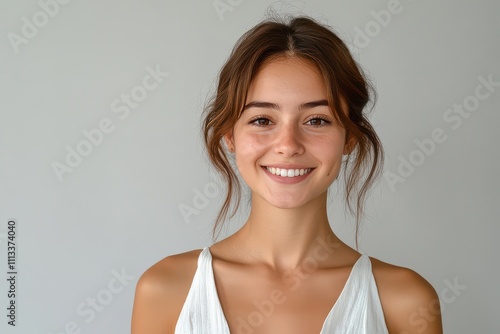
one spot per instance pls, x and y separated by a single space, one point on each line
287 203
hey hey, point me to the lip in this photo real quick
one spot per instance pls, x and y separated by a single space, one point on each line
288 180
289 166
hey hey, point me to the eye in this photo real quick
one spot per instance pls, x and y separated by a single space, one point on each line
260 121
318 121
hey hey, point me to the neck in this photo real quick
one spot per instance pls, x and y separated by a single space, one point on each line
284 238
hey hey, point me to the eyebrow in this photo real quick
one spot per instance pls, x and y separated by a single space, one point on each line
270 105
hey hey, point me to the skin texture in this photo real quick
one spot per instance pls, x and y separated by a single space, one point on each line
283 124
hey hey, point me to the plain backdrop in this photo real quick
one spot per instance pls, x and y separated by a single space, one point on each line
142 189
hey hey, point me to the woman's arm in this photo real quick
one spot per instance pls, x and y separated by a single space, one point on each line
410 303
151 311
161 292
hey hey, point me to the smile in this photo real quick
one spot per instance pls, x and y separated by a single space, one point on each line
288 172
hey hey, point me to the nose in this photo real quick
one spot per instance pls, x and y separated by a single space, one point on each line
289 141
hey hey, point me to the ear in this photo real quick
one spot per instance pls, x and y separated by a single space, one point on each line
229 140
350 144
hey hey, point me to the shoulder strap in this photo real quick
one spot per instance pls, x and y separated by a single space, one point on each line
202 312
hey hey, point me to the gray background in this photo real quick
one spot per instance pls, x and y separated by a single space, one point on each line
119 210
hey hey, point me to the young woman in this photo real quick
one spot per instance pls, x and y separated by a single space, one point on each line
289 109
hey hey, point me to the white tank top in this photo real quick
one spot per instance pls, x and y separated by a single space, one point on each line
357 310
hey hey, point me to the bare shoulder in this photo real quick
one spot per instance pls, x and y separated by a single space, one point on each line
410 303
161 292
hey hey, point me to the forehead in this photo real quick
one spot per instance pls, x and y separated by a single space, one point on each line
280 74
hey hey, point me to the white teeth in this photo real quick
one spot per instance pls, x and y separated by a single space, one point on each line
288 172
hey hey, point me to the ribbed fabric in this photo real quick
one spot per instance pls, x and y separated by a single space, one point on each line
357 310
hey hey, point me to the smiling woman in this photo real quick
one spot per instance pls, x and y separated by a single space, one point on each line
290 110
287 125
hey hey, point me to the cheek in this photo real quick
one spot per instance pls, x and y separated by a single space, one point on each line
249 149
330 149
251 144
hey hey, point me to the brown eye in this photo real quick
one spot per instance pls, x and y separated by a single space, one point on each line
261 121
318 121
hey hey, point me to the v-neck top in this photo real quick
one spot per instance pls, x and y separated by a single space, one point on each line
356 311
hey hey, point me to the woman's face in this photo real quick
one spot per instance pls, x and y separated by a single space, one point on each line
288 145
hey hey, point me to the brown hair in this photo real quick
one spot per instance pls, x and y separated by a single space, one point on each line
301 37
